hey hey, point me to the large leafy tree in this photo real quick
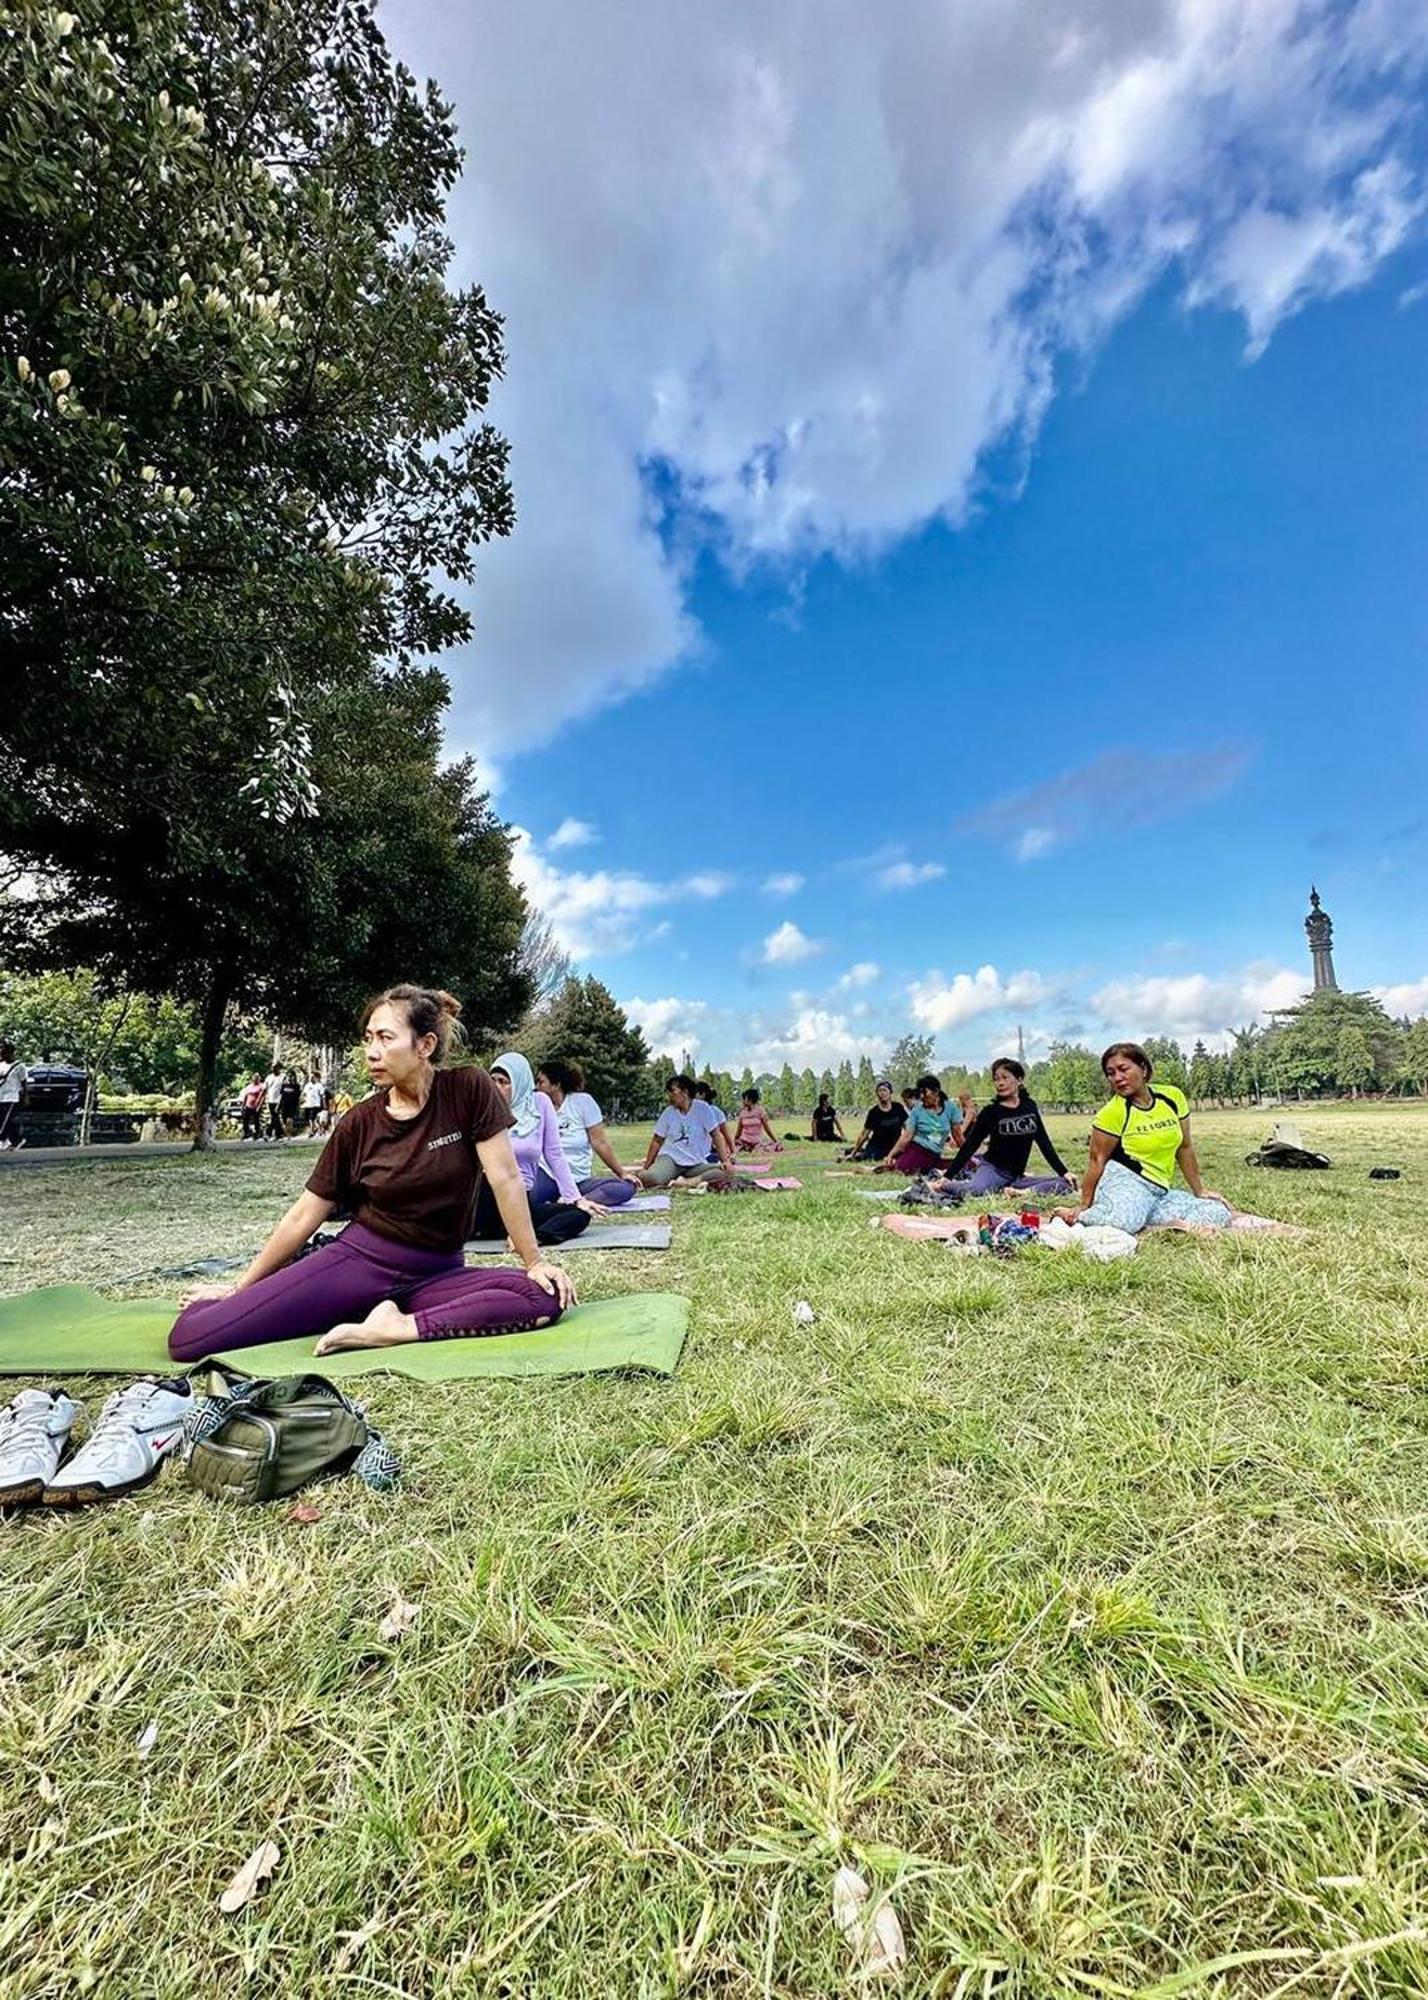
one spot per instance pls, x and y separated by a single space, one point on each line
1302 1048
909 1058
584 1023
241 450
405 874
1415 1055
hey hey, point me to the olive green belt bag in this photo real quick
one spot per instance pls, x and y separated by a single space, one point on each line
268 1438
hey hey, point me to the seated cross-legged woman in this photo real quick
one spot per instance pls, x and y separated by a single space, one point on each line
930 1124
559 1210
882 1126
1137 1142
581 1125
407 1159
683 1133
704 1094
1008 1127
754 1130
824 1125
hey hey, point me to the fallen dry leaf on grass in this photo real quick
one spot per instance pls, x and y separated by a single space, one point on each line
398 1621
875 1935
305 1512
146 1739
250 1877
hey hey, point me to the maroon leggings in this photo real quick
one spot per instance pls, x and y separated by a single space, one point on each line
345 1279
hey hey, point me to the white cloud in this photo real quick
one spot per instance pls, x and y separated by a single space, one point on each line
599 913
782 885
1410 997
1119 791
788 946
814 1039
573 833
1194 1005
798 267
908 874
670 1026
864 973
939 1004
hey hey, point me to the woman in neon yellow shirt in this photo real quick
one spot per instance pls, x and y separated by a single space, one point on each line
1137 1142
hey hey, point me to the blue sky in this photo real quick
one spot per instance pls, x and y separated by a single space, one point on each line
983 597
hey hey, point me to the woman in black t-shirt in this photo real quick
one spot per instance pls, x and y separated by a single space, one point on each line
408 1159
1008 1127
825 1121
882 1127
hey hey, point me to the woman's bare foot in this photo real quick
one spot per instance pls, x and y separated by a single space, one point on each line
385 1326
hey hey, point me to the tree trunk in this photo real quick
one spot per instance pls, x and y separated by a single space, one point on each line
215 1012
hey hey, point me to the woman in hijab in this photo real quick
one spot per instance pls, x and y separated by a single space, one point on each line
558 1209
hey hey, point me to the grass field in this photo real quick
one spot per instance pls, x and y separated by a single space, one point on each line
1085 1609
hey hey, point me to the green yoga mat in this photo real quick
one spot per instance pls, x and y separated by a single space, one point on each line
67 1330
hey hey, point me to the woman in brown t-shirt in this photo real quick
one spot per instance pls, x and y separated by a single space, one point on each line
408 1160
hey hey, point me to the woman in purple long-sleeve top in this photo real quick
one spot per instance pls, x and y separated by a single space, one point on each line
558 1209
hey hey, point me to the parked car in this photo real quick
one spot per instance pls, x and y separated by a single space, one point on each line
55 1087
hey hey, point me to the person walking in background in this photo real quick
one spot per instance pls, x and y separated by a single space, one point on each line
289 1102
313 1095
581 1124
250 1107
883 1126
272 1103
824 1123
13 1078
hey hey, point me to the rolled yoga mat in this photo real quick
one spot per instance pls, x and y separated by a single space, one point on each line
599 1236
67 1330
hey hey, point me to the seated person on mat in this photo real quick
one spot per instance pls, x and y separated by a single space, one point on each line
754 1130
824 1124
1009 1127
581 1124
1137 1142
705 1093
679 1149
408 1159
558 1209
929 1126
882 1126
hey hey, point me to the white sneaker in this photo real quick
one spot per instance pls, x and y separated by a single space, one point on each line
138 1428
34 1430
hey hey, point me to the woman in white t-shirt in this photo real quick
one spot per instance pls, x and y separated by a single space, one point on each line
582 1134
13 1078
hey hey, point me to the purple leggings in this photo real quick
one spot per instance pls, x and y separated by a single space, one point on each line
987 1179
609 1193
345 1279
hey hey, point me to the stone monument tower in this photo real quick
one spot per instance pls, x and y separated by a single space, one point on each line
1320 928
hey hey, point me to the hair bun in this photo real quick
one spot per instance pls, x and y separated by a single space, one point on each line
448 1003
